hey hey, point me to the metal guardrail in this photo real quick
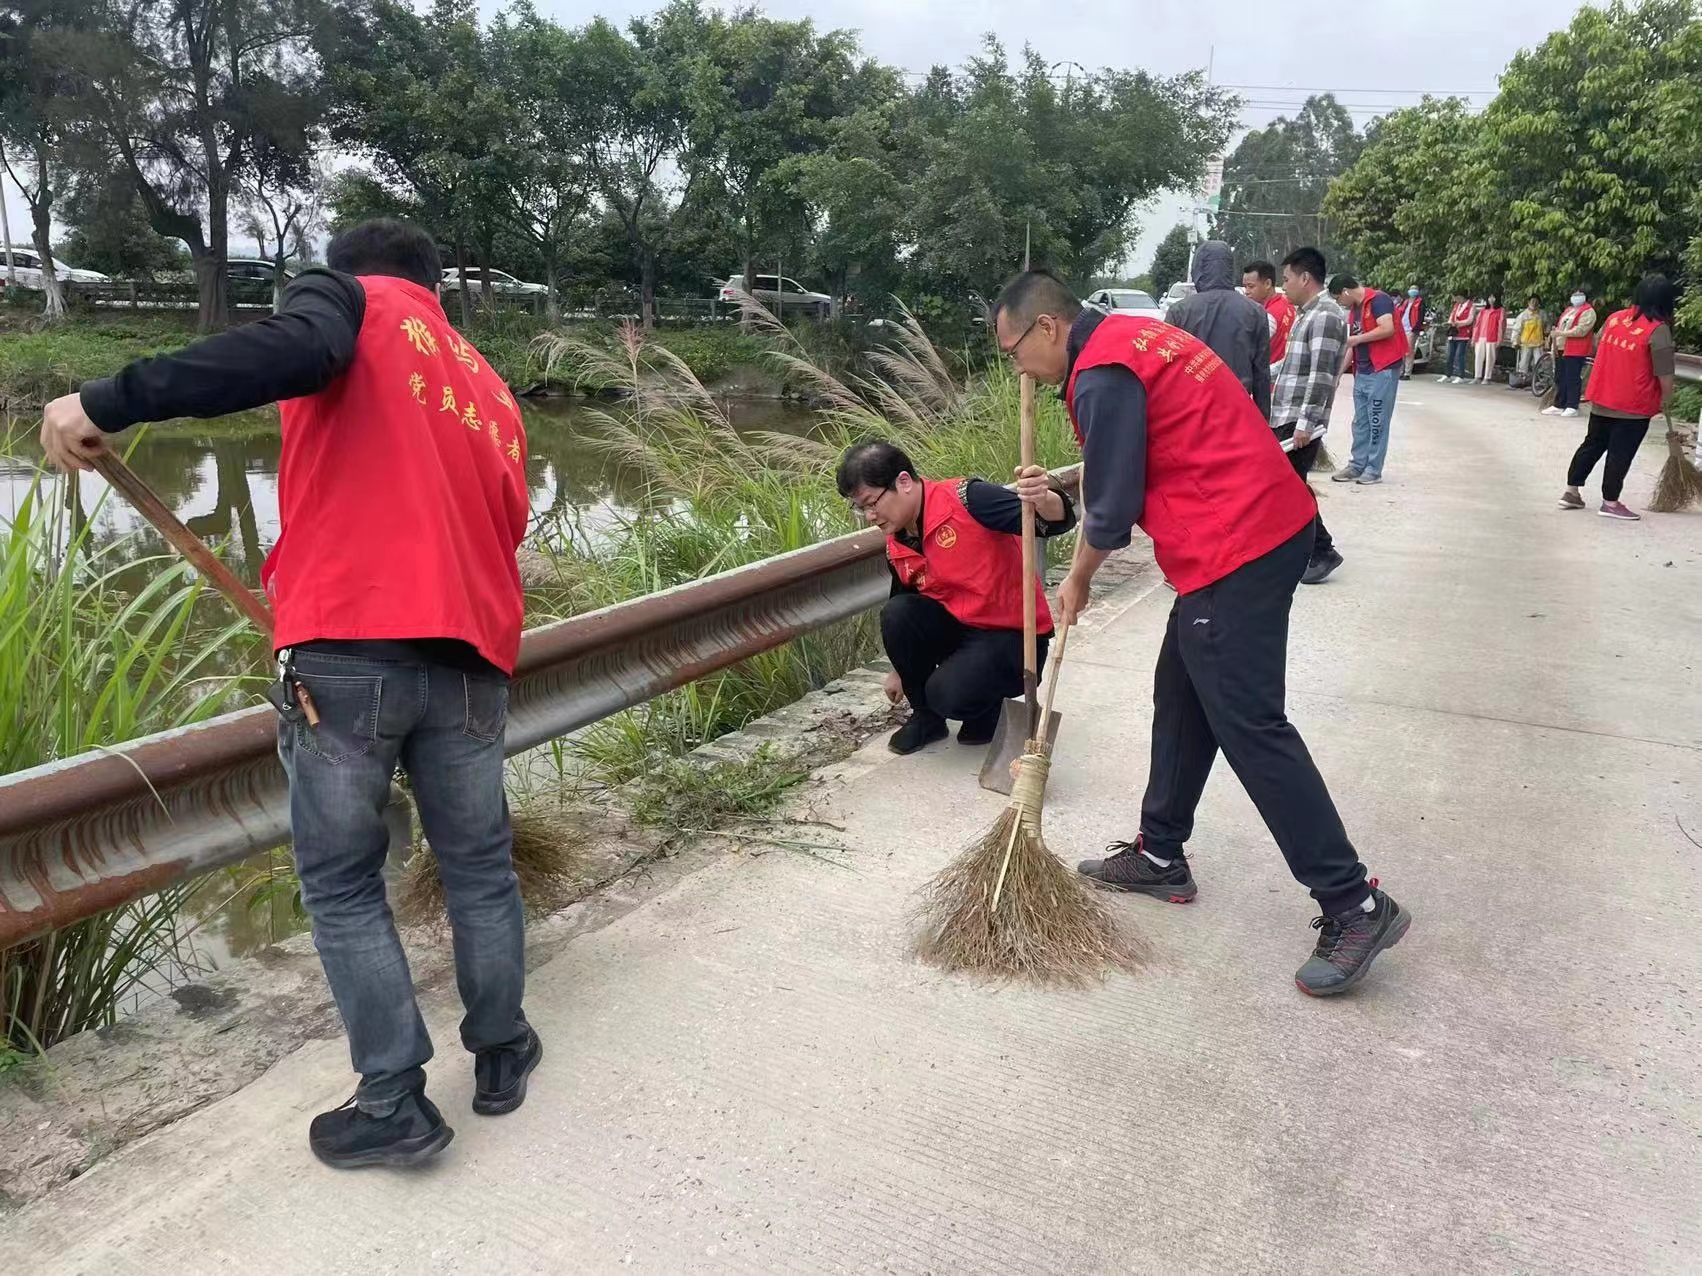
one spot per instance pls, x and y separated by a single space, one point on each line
1687 367
91 832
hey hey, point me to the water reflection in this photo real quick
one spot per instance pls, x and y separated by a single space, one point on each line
221 477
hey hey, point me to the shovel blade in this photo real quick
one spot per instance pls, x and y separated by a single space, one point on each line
1008 743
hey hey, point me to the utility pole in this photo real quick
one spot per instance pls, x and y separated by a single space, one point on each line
6 224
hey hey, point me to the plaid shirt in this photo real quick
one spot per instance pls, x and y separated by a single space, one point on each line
1306 379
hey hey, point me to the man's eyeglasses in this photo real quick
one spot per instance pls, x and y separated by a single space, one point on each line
1017 344
863 511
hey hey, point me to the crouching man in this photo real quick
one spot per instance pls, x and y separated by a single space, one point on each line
953 626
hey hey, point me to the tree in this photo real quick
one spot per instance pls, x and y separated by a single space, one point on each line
1275 180
109 231
1170 259
177 94
283 205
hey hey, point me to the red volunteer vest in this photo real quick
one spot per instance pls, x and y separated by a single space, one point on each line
1490 325
972 571
1282 310
1460 318
1410 314
402 490
1623 377
1219 491
1576 346
1387 352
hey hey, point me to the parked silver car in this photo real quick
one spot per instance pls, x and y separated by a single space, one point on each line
501 282
779 293
1126 301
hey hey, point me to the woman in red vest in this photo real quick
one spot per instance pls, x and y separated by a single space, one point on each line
1632 380
953 625
1171 441
1460 320
1488 331
1574 337
402 495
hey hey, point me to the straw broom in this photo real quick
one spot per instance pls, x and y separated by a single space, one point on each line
1680 483
1006 906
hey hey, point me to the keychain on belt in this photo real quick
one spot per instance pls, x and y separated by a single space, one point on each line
292 700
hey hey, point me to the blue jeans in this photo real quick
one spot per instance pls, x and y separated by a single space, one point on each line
1459 357
1569 381
1373 406
444 728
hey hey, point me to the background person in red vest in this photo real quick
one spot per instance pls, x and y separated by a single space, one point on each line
1461 315
1489 330
1410 315
402 494
1632 380
1376 350
1574 337
1259 279
953 625
1171 441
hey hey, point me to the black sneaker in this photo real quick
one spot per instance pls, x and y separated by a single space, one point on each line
1348 942
413 1130
1126 869
499 1075
979 730
922 730
1320 567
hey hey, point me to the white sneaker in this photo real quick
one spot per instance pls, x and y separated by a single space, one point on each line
1551 410
1455 381
1442 380
1570 412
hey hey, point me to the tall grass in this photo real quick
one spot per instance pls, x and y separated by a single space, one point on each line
97 645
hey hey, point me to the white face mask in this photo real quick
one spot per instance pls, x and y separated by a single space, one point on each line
1577 299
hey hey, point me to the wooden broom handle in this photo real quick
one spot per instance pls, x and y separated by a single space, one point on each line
1063 641
1030 570
110 466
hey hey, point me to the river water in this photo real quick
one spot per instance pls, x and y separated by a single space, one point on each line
221 478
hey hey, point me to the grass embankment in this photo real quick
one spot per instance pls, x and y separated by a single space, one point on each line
39 363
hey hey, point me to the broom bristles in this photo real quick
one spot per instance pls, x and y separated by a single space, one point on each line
1047 926
1680 482
549 855
1323 460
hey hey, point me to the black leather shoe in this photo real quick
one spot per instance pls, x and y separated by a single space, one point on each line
411 1130
1126 869
979 730
499 1075
922 730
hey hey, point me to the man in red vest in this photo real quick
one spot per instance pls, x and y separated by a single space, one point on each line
1377 349
1171 441
953 625
1632 380
402 495
1259 279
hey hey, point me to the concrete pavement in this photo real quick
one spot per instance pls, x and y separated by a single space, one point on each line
749 1073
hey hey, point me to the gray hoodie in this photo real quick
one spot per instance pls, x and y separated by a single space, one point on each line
1233 325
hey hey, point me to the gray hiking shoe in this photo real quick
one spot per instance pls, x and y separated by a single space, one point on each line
1126 869
1347 944
1345 475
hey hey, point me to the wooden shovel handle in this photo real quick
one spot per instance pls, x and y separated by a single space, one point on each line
110 466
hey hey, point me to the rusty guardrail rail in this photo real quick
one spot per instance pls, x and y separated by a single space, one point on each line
91 832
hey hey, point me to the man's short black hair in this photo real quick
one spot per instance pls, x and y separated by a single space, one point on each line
1307 261
1263 269
875 463
1341 283
1033 293
384 246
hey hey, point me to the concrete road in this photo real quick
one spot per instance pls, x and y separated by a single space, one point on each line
749 1073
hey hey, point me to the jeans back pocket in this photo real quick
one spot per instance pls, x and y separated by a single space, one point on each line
487 707
347 706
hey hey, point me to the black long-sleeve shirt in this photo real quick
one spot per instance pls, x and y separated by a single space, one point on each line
300 350
1110 411
996 508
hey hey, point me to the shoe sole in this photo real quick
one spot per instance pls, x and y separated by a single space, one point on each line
1344 478
1563 505
1321 577
407 1152
1393 936
1621 518
1169 894
496 1107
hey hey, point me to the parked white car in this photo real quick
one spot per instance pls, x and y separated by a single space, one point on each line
1126 301
778 293
26 265
1178 290
501 282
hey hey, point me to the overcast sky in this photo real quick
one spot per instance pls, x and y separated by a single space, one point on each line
1374 53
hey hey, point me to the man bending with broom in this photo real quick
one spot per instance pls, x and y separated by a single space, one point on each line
953 626
1171 441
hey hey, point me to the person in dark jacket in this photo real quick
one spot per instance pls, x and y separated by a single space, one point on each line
1234 326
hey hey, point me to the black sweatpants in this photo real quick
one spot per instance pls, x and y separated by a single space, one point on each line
1301 458
1619 437
1221 684
1569 381
948 668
